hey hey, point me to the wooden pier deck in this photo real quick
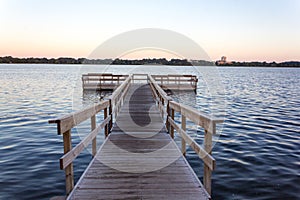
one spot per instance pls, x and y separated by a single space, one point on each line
116 174
139 158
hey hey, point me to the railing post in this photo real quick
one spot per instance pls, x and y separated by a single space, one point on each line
183 127
94 142
163 107
100 82
207 171
172 128
69 169
168 115
111 115
106 126
116 106
195 82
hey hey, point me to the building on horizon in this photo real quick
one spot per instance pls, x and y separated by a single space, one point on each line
223 61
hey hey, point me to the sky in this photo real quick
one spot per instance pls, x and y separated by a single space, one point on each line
242 30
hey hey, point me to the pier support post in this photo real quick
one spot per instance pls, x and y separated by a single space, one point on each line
94 142
162 107
172 128
111 115
69 169
183 127
106 126
207 172
168 115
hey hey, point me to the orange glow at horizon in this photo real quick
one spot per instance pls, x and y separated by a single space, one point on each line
24 51
29 48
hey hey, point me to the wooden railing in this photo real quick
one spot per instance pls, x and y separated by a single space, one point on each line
105 81
101 81
168 107
176 81
110 107
140 78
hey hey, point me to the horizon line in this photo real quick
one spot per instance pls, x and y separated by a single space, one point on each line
188 59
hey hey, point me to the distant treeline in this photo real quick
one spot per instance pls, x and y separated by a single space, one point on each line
153 61
10 59
160 61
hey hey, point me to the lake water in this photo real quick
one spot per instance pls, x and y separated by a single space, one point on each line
257 152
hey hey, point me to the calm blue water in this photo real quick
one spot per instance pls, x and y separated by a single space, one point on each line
257 153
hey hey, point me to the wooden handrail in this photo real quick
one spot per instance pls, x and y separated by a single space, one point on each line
69 157
159 91
96 81
119 89
201 119
65 124
206 157
205 121
119 94
69 121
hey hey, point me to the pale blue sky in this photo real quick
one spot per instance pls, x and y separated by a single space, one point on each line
240 29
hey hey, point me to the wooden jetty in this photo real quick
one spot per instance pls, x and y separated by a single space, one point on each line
139 158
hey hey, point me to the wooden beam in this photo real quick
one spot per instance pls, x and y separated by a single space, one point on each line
183 127
111 115
172 127
94 142
207 171
69 168
168 113
106 126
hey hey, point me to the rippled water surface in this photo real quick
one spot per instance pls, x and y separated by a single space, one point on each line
257 153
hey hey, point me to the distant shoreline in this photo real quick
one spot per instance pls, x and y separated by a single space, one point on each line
153 65
148 61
